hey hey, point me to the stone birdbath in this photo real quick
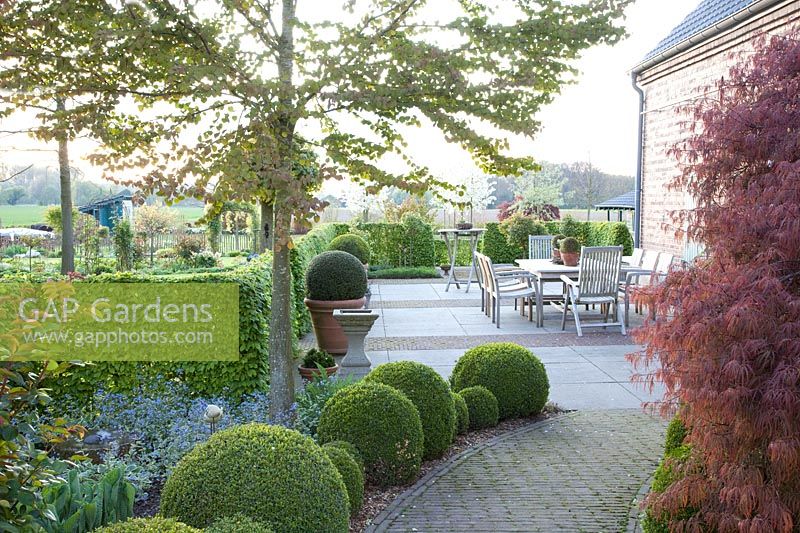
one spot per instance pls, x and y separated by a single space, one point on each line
355 323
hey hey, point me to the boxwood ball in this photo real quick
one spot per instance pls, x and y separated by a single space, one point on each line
336 275
270 474
515 376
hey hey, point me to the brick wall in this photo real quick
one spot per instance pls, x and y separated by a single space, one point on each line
675 83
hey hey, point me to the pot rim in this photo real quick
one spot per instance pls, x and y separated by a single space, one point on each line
336 304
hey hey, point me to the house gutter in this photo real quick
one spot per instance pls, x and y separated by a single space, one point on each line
637 195
686 44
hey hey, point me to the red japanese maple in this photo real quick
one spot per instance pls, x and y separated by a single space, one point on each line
727 332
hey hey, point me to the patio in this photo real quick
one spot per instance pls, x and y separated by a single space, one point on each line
421 322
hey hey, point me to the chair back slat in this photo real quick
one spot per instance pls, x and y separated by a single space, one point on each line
540 247
636 257
649 260
664 262
598 274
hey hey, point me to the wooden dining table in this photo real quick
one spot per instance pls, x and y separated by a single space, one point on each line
544 270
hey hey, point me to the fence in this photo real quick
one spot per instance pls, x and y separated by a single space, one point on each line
228 242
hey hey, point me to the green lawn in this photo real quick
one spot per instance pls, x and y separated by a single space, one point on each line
25 215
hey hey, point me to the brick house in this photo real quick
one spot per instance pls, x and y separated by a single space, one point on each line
698 52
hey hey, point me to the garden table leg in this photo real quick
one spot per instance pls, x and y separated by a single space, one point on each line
540 303
452 252
474 247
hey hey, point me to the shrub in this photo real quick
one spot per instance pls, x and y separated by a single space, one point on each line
312 399
350 448
352 244
237 524
676 433
430 395
556 241
725 335
404 273
336 276
407 244
187 246
497 247
517 229
481 406
462 413
316 357
569 245
383 424
271 474
352 475
515 376
124 249
155 524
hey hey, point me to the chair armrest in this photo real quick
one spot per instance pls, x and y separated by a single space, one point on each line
569 281
514 274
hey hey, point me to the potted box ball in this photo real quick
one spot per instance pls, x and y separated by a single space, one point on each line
570 251
556 243
334 280
317 363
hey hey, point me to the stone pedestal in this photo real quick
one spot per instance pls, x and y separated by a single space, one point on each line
355 323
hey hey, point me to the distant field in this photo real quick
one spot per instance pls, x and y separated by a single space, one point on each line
25 215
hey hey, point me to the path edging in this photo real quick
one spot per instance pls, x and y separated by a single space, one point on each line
633 517
383 519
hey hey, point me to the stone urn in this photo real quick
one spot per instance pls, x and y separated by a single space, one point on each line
356 324
327 330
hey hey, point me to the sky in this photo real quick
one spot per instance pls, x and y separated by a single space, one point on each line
591 120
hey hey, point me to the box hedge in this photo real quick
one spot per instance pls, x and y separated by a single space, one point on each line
233 379
238 524
462 413
429 393
270 474
352 474
409 243
204 378
154 524
383 424
514 375
481 406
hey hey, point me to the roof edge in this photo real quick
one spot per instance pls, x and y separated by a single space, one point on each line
705 34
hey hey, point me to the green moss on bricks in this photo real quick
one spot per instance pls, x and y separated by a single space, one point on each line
515 376
482 407
352 244
270 474
462 413
238 524
429 393
336 276
383 424
352 475
155 524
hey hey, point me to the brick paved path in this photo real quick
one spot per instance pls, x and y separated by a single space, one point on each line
576 472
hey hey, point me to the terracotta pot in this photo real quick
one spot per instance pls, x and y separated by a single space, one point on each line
327 330
308 374
570 258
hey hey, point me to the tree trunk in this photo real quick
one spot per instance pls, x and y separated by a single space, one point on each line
281 385
67 235
266 235
281 388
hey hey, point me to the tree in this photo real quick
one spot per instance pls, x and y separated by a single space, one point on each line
268 82
152 220
726 329
12 195
585 180
70 62
542 187
359 201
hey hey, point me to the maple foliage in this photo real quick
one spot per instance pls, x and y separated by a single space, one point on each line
727 329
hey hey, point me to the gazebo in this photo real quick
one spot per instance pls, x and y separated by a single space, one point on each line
624 202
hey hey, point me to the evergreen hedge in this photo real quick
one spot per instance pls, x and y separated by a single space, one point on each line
409 243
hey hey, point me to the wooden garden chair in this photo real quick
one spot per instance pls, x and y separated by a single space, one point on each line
540 246
505 284
598 283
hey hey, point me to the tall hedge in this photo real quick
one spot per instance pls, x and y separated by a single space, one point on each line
205 378
409 243
496 243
